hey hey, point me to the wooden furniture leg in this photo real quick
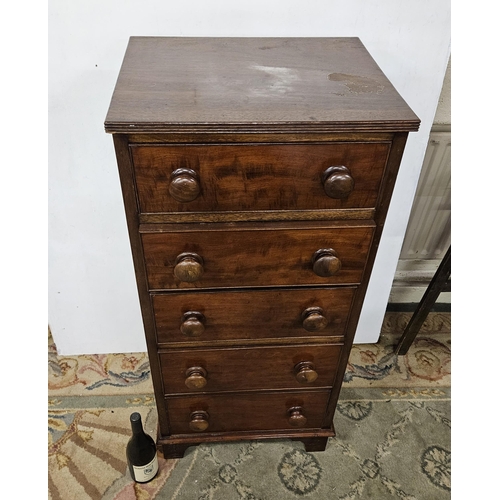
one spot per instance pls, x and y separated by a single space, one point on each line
439 283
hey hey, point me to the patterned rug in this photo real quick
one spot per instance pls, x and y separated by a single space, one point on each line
392 423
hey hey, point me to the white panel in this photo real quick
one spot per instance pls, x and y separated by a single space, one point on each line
429 230
93 305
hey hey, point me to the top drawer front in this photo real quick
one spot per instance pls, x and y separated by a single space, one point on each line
251 177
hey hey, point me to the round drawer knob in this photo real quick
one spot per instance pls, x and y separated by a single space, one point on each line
199 421
188 267
193 324
296 417
305 372
326 263
337 182
196 377
313 319
184 185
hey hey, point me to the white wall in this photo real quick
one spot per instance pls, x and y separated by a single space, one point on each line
93 305
443 111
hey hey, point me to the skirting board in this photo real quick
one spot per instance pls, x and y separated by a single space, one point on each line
410 307
412 278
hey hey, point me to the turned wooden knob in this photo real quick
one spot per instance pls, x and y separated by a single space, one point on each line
325 262
188 267
337 182
193 324
305 373
196 377
296 417
184 185
313 319
199 421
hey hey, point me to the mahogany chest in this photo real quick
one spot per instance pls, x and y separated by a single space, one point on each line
256 176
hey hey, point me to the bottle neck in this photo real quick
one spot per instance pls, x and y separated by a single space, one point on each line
136 423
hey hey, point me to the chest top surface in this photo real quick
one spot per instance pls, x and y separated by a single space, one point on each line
202 84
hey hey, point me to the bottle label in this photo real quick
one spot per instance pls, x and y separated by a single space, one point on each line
146 472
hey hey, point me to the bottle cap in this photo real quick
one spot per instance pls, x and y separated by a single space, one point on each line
135 417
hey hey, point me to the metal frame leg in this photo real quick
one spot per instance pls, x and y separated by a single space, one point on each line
438 284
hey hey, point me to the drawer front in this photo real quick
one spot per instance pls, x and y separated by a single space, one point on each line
257 177
256 257
246 412
240 369
245 315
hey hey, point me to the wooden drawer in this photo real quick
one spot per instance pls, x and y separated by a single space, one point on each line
256 255
246 412
247 177
241 369
251 315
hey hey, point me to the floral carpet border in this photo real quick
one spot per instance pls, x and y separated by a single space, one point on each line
346 394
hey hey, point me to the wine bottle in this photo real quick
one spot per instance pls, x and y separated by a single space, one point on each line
141 452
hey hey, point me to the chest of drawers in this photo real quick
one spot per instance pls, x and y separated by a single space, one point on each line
256 175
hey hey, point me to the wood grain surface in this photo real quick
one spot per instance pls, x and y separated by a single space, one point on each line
257 177
246 412
259 84
262 255
251 315
257 368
